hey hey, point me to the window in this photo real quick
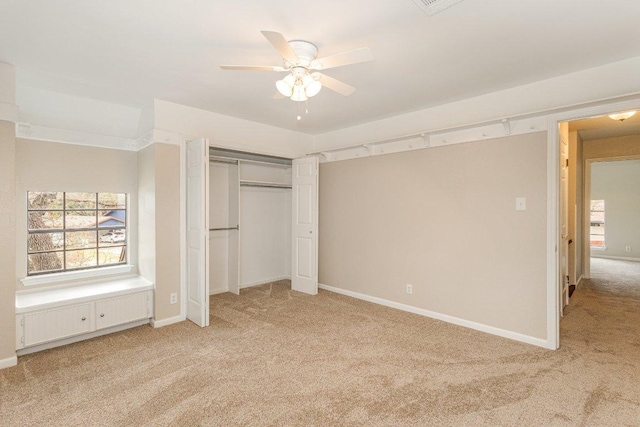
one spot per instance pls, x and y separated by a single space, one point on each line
597 224
75 231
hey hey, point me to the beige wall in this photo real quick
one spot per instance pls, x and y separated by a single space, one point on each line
51 166
159 251
612 147
444 220
167 229
7 240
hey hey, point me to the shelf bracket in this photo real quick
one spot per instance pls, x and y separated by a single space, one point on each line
507 126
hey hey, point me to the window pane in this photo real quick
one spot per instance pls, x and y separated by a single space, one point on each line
112 219
80 200
112 255
40 220
81 258
51 261
81 239
112 237
80 219
44 200
40 242
110 201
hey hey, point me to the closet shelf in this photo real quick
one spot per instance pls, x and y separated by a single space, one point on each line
246 183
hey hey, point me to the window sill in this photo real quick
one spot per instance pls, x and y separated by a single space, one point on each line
598 248
76 275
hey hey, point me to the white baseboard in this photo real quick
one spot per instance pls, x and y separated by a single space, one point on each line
262 282
168 321
8 362
579 280
83 337
216 291
620 258
444 317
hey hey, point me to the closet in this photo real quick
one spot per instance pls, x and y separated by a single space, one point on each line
249 220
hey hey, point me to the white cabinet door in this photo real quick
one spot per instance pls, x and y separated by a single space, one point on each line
123 309
55 324
304 245
198 232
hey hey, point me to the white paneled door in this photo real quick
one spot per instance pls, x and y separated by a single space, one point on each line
304 248
198 232
564 223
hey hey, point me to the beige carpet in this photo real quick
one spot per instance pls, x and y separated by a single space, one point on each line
274 357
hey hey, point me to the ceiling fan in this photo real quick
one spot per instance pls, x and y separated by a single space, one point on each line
300 61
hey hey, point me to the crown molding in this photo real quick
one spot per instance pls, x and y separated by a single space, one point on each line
65 136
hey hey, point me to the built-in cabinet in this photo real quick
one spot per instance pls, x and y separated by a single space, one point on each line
249 220
50 317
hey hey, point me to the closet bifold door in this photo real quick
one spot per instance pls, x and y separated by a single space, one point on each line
304 245
198 232
234 236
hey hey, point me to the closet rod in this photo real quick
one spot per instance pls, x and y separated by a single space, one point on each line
252 184
229 162
237 227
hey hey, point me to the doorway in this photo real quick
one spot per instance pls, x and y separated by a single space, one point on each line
584 225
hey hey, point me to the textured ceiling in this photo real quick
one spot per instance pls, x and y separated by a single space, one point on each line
129 52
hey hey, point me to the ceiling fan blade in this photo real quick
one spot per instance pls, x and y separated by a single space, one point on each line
362 54
335 85
278 95
253 67
278 41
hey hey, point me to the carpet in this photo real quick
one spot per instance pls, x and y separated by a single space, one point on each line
275 357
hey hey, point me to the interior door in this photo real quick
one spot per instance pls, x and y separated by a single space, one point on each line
304 247
198 231
564 222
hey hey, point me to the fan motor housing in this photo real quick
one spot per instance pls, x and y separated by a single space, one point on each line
305 50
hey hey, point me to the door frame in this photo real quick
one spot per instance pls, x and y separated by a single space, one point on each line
553 205
586 258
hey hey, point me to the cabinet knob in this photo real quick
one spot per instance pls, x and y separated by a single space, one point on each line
84 318
101 314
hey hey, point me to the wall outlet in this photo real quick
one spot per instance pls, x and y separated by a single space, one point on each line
628 249
173 298
409 289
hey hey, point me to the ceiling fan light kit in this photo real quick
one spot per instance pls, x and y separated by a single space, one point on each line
622 116
300 60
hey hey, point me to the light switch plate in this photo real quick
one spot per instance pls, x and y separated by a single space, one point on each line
521 203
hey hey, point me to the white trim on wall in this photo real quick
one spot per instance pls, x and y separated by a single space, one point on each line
65 136
489 130
168 321
8 362
443 317
620 258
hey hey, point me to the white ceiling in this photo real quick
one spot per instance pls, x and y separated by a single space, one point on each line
130 51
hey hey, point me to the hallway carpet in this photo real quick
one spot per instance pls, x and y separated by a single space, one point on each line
274 357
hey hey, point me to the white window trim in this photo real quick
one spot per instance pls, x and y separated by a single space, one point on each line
67 276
